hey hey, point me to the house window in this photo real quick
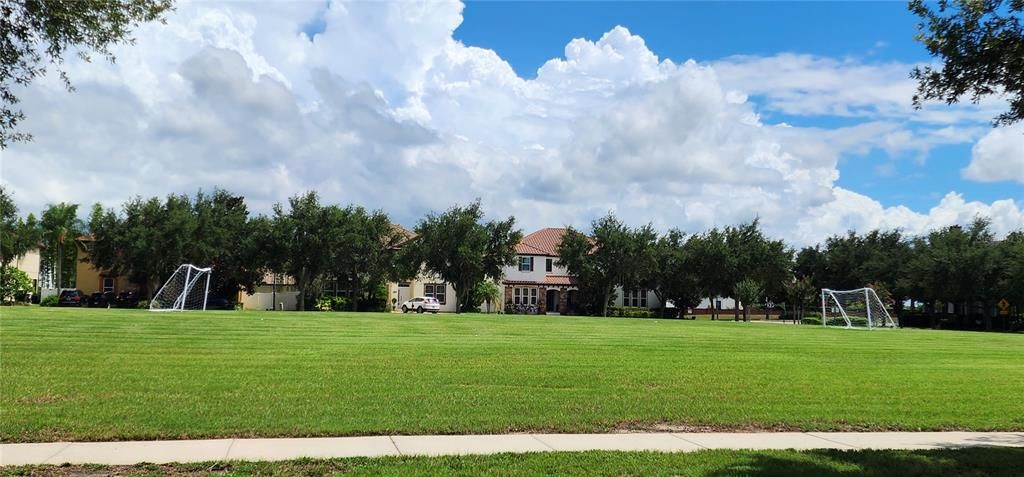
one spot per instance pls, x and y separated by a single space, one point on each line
548 264
435 290
524 296
108 284
635 298
337 287
525 264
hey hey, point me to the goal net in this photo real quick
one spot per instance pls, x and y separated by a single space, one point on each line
185 290
858 308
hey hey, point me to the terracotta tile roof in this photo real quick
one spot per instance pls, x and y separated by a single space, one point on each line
550 280
559 280
541 242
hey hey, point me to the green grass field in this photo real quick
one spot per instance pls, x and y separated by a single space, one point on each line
973 462
86 374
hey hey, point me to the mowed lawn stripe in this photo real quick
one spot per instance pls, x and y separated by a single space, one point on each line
87 374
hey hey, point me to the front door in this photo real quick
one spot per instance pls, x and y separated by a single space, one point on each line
552 301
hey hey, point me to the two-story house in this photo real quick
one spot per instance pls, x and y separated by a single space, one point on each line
536 280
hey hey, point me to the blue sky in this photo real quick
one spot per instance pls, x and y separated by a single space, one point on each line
703 31
527 34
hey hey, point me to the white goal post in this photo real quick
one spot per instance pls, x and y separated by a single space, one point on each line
854 309
187 289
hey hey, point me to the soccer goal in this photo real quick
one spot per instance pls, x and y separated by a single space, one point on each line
854 309
185 290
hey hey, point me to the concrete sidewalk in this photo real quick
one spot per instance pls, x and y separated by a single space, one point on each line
158 452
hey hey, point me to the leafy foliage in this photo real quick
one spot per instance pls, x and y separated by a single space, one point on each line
363 250
60 228
38 32
981 44
299 240
51 300
674 275
613 255
14 284
462 250
17 235
149 239
490 293
749 292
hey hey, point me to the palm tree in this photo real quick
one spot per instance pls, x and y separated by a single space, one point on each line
59 227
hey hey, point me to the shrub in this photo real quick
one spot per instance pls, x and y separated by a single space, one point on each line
14 284
631 312
49 301
332 303
811 320
142 304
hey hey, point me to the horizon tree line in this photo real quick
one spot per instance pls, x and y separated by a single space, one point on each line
313 243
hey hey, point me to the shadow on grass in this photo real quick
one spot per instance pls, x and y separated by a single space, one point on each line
965 462
973 461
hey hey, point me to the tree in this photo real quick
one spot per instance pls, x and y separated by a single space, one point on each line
224 240
981 44
37 32
712 265
748 291
17 235
364 250
612 255
753 256
60 227
673 275
462 250
1010 265
489 291
299 241
800 293
955 265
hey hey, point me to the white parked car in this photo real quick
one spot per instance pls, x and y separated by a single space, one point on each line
421 304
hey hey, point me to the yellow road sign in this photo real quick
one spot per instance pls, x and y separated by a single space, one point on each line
1004 307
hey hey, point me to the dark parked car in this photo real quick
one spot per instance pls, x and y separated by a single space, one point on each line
126 299
219 303
72 298
102 299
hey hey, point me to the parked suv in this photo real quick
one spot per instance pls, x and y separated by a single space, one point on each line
421 304
72 298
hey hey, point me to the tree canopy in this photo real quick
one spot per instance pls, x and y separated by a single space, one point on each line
461 249
17 235
614 254
37 33
981 45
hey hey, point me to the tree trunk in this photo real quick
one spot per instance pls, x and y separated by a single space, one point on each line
59 265
458 297
300 284
736 309
356 292
604 301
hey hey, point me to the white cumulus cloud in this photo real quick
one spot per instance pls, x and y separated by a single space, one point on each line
383 107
